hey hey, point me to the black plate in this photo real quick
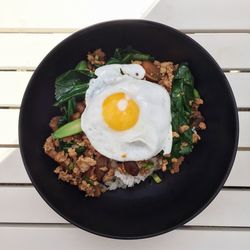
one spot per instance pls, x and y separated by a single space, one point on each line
145 210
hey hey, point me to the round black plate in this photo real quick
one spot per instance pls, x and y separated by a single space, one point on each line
147 209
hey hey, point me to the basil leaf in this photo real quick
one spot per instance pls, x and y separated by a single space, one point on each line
186 150
70 84
80 150
124 56
184 74
64 146
82 67
62 120
196 94
70 108
182 96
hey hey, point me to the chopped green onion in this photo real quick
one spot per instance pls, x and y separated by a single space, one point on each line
88 180
156 178
71 166
196 94
147 165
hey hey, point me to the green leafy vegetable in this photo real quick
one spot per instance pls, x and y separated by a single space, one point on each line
71 84
123 56
182 96
69 87
62 120
70 108
184 74
196 94
80 150
82 66
161 153
64 146
186 150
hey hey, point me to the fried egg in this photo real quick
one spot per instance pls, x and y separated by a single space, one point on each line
127 118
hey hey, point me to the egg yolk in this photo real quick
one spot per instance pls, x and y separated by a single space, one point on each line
120 112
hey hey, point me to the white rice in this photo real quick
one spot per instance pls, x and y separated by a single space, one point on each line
126 180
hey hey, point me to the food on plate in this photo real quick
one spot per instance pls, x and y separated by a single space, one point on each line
123 119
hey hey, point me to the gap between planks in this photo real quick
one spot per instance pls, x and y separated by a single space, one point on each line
72 30
69 225
30 185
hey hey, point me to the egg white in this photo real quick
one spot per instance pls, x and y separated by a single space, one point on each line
152 132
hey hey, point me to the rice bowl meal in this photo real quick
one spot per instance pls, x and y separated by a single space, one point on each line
125 125
123 120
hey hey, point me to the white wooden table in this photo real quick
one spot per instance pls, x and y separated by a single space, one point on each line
30 29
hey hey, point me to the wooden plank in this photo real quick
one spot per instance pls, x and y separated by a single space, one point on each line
230 50
244 121
240 173
15 83
8 128
229 208
195 15
13 171
46 237
11 166
85 13
240 84
24 205
29 51
179 14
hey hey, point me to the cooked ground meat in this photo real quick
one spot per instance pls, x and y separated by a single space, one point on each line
75 116
80 106
167 70
97 57
54 122
196 116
